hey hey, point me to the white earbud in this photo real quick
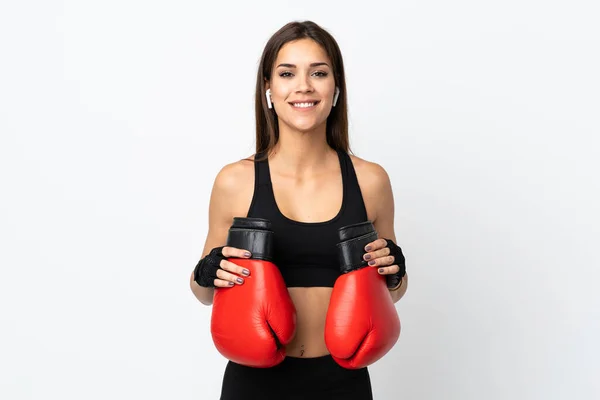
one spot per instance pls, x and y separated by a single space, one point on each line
268 93
335 97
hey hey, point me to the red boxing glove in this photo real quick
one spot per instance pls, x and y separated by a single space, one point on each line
362 324
251 323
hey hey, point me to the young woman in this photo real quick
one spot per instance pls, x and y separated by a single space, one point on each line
304 181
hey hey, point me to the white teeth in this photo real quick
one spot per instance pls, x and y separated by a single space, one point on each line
303 105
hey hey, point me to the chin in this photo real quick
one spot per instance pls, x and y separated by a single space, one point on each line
306 127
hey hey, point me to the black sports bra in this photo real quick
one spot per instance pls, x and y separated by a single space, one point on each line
306 252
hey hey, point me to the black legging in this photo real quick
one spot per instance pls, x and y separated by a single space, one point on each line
296 378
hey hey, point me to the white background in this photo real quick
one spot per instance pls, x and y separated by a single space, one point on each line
115 117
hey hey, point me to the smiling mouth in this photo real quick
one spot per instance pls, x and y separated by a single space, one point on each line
305 105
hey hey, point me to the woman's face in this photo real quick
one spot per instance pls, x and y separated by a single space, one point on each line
302 85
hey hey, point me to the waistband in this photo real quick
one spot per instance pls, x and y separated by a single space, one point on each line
307 361
315 367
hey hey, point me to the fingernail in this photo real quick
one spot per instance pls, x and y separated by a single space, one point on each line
367 256
372 262
247 254
245 272
230 283
240 280
380 270
368 248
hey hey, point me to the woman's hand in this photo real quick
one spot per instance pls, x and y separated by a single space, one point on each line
229 273
387 257
215 270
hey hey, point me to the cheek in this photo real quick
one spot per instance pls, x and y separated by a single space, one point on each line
278 94
279 97
279 89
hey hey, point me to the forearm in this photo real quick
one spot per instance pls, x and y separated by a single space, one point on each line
203 294
398 293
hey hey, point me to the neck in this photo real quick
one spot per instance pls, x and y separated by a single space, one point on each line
299 153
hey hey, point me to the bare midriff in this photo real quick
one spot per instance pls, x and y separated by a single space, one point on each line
311 310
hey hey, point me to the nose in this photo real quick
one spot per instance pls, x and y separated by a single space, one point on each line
304 85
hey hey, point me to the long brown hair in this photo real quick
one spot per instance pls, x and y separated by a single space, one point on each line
267 128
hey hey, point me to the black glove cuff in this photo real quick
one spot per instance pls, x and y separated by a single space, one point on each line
351 248
399 260
254 235
205 272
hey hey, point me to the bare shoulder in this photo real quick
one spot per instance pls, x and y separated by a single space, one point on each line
234 186
234 174
374 183
370 174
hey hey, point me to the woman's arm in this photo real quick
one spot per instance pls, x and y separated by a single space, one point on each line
220 217
382 199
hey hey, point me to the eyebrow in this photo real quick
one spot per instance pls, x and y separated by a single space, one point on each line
317 64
